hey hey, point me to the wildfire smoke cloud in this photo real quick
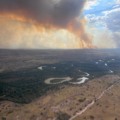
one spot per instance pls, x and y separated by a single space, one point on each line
48 14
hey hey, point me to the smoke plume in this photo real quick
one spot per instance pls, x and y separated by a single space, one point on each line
49 14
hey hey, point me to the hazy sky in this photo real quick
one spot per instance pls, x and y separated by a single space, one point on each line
41 24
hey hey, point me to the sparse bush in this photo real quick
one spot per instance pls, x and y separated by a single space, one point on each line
3 118
62 116
82 100
33 117
92 117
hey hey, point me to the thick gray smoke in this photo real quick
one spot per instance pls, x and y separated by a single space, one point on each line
55 12
50 14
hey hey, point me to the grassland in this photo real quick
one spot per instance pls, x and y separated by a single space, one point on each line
25 96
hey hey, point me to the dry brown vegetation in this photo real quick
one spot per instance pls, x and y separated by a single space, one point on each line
65 101
69 100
